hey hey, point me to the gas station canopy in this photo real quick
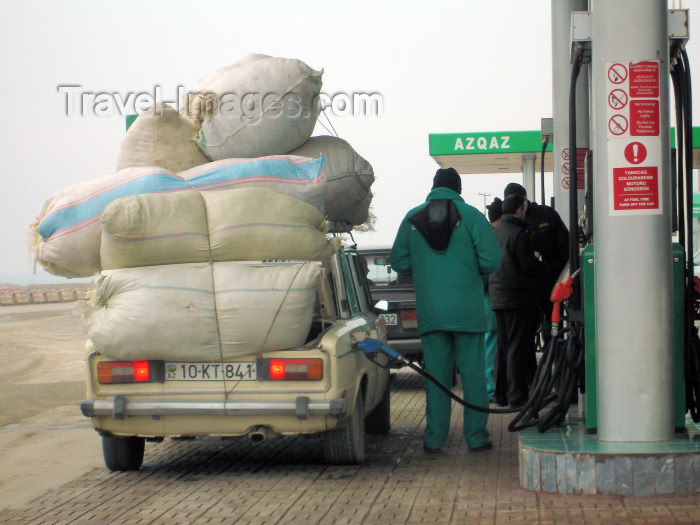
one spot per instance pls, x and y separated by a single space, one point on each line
488 152
503 151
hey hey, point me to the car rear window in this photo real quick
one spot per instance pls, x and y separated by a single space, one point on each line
380 274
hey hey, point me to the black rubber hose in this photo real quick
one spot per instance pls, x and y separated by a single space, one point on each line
544 150
573 172
685 159
461 401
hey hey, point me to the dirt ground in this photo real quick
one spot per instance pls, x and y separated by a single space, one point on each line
44 440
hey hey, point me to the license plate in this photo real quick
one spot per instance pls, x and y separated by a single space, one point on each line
229 371
391 319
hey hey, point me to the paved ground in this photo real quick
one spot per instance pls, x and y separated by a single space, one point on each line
285 481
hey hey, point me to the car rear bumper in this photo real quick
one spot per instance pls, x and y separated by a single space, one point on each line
406 346
120 407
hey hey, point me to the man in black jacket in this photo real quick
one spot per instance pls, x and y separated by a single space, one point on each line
514 292
550 241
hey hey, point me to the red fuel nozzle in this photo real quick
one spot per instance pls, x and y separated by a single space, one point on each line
562 291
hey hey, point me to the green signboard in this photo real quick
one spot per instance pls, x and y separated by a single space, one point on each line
130 120
696 204
475 143
486 142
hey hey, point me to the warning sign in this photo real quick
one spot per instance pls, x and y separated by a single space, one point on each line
633 176
644 80
633 99
635 152
580 167
644 118
617 99
617 73
636 188
618 125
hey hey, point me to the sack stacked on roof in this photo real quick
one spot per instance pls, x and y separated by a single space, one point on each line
348 178
258 106
300 177
161 137
65 238
201 312
245 224
67 233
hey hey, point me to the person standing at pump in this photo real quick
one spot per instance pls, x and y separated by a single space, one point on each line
514 293
550 241
495 210
448 246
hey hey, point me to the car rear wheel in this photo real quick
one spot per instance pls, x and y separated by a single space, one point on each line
379 420
123 453
346 445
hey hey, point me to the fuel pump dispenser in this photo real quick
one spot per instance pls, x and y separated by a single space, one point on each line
631 185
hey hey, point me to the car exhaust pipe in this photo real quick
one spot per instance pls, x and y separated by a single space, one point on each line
260 435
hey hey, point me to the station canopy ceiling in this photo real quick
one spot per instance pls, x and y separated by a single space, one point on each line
488 152
502 151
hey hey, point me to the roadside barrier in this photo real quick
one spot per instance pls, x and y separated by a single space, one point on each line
18 297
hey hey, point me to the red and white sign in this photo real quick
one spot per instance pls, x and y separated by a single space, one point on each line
617 99
618 125
635 152
617 73
634 175
633 91
580 167
634 137
636 188
644 118
644 80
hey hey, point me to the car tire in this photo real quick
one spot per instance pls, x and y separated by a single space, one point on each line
379 420
123 453
346 445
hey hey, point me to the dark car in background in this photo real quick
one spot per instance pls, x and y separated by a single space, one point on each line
398 291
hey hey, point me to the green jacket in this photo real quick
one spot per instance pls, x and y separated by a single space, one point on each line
449 286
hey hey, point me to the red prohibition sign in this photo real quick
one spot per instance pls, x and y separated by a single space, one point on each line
617 99
565 183
618 125
565 154
565 169
617 73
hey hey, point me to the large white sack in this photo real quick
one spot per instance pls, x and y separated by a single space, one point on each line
66 234
244 224
161 312
264 307
168 312
155 228
300 177
259 106
161 137
348 178
65 238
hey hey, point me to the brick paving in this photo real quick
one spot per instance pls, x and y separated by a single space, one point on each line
285 481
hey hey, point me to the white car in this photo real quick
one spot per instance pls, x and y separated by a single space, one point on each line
325 387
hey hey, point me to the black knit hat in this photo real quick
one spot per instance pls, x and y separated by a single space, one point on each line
447 178
495 210
514 187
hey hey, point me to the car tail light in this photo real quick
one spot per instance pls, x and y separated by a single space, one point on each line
111 372
409 319
284 369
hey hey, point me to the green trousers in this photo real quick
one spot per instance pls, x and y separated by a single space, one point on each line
440 351
491 344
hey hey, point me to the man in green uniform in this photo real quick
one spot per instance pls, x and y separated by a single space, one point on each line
448 247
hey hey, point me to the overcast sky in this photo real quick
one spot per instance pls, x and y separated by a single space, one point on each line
439 66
